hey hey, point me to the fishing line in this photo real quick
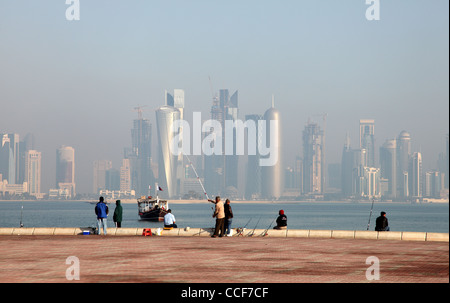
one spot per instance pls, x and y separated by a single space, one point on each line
198 178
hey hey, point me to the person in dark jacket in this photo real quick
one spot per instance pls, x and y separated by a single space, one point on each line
281 221
382 223
117 217
101 210
228 218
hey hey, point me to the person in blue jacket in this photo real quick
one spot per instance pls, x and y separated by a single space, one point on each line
101 210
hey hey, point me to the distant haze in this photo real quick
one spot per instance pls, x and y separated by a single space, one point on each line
76 83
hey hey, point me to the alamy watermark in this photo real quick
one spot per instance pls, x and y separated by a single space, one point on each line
73 11
260 140
73 271
373 11
373 272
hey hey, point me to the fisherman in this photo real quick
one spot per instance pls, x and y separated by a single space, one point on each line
117 217
219 214
101 210
228 218
382 223
281 220
169 220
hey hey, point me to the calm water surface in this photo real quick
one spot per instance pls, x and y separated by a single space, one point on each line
333 215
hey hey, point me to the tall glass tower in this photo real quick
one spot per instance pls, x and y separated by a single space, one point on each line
33 172
272 176
65 169
140 157
253 177
415 176
167 162
403 155
367 140
221 171
177 101
388 166
313 159
230 111
9 157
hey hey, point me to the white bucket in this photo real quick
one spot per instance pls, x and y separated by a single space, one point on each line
158 231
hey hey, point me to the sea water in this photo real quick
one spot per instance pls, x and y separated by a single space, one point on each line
303 215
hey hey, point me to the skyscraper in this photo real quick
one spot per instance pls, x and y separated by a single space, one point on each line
167 163
367 140
415 176
221 171
215 164
403 155
371 182
125 175
347 165
140 156
33 172
253 178
28 143
6 159
313 159
388 166
272 175
434 183
65 169
9 157
100 169
177 101
230 110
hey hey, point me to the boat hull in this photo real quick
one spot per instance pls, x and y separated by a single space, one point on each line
153 215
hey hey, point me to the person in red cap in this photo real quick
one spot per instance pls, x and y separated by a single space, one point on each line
281 221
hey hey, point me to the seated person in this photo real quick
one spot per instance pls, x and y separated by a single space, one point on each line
382 223
281 221
169 220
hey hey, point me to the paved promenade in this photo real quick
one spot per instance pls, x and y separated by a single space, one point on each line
219 260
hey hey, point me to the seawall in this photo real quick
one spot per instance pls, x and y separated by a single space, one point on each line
207 232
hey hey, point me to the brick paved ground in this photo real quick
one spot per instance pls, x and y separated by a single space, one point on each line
221 260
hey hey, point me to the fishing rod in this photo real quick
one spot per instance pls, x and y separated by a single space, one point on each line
241 230
265 232
253 232
247 223
198 178
368 224
21 216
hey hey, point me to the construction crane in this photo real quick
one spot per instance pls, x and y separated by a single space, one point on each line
139 109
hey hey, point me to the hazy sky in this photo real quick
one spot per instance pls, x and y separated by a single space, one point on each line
76 82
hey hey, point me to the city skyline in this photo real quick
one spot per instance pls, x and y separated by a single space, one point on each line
77 83
397 163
